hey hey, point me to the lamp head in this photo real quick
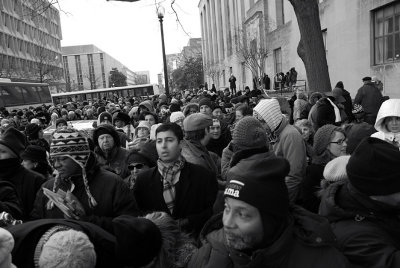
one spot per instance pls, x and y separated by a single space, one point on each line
160 12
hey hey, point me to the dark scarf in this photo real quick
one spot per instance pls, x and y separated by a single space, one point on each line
9 166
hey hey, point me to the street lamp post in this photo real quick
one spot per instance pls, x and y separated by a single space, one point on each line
160 13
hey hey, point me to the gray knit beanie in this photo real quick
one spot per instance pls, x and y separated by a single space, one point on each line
249 134
322 138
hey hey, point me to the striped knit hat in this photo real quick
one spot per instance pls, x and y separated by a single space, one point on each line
270 112
73 144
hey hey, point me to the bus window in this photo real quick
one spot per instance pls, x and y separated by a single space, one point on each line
30 94
11 96
44 93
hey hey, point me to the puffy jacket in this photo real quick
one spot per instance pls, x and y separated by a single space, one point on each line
367 231
307 241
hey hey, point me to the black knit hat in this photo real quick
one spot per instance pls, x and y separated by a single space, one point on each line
374 167
32 131
121 116
261 183
138 240
13 139
34 153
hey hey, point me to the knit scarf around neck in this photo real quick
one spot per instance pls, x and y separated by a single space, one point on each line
9 166
168 171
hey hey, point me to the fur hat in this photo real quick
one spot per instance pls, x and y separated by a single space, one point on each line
205 101
261 184
138 240
197 121
270 112
121 116
61 121
249 134
13 139
68 248
106 129
105 116
374 167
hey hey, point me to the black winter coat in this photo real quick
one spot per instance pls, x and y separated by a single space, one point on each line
367 231
26 183
196 192
27 235
307 241
9 201
111 193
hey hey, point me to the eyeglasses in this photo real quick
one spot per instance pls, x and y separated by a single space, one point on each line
339 142
137 166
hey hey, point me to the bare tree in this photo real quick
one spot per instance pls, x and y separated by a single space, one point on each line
253 53
311 46
212 70
46 68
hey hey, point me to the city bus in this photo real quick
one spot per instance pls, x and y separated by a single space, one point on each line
18 95
108 93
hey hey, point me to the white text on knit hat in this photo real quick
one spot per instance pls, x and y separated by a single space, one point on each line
233 189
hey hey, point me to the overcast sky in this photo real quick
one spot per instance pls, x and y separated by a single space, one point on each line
129 32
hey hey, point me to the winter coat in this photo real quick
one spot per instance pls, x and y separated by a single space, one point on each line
310 185
226 157
194 152
25 182
195 192
116 162
370 98
348 105
9 201
27 236
112 195
367 231
290 145
307 241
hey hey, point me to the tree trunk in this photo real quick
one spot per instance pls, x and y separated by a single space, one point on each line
311 46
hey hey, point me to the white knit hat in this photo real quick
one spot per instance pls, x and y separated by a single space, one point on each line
6 246
388 108
270 111
335 170
68 249
175 116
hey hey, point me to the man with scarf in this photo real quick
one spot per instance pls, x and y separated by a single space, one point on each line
259 228
25 182
184 190
93 194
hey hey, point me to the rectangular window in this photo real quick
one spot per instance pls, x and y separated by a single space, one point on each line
92 76
79 71
387 34
278 60
280 13
324 36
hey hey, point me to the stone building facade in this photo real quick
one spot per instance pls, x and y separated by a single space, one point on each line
361 37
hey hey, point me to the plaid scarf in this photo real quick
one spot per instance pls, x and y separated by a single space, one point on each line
169 179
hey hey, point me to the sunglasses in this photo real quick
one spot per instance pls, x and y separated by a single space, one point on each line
137 166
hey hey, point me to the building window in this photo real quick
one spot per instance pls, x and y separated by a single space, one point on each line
79 71
280 13
66 71
103 73
387 34
278 60
92 76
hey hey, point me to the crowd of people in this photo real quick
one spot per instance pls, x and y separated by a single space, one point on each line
204 179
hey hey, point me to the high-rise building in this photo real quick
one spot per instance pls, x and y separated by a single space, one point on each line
361 37
88 67
30 34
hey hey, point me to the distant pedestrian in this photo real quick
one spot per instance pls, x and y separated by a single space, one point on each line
370 98
232 84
